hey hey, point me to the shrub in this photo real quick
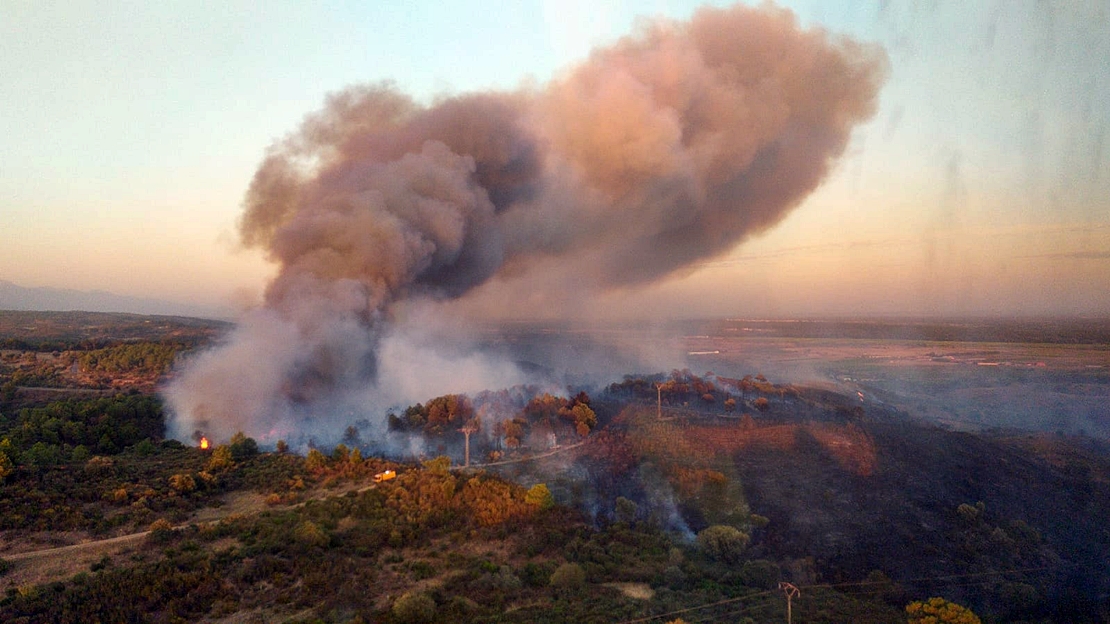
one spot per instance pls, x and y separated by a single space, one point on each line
183 483
160 531
144 448
567 576
940 611
540 496
414 608
6 466
311 534
760 573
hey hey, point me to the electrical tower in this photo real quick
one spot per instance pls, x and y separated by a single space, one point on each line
468 429
791 592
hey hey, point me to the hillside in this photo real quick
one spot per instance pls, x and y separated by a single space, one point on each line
50 330
841 494
656 497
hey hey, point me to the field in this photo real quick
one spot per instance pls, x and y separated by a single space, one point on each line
1049 376
966 385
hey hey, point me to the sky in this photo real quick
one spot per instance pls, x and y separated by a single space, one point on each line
130 132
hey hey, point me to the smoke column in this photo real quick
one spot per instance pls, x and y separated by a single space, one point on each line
668 148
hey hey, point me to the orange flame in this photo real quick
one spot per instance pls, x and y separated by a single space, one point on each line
204 444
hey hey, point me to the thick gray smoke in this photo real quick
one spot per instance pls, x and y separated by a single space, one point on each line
668 148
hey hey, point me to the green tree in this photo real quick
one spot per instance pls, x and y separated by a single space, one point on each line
940 611
221 459
340 453
242 447
6 467
626 510
315 461
440 465
723 542
144 448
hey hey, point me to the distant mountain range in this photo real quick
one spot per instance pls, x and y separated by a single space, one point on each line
15 297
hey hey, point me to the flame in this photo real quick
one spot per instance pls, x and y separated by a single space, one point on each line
204 444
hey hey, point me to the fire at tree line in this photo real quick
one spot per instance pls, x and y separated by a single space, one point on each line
652 502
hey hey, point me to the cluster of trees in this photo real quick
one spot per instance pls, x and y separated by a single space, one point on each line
26 369
84 364
107 493
549 415
434 496
441 415
520 417
142 358
48 345
326 559
74 430
668 470
684 388
320 558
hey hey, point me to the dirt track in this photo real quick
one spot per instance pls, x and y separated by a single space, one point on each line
36 567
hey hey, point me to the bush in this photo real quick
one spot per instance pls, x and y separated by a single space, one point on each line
414 608
310 534
161 531
760 573
567 576
540 496
940 611
183 483
144 448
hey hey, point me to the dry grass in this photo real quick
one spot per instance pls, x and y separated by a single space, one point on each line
636 591
44 566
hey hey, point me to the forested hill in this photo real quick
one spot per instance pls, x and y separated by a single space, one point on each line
59 331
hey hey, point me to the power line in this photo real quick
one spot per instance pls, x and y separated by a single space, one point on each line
697 607
947 579
944 577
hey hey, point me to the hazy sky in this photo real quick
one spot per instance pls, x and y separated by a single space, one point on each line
129 133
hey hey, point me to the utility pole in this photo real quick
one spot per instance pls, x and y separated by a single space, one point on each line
468 429
790 592
659 401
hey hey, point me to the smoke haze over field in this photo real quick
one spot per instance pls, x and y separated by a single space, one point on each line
668 148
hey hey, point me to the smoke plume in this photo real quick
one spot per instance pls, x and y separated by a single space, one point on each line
665 149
